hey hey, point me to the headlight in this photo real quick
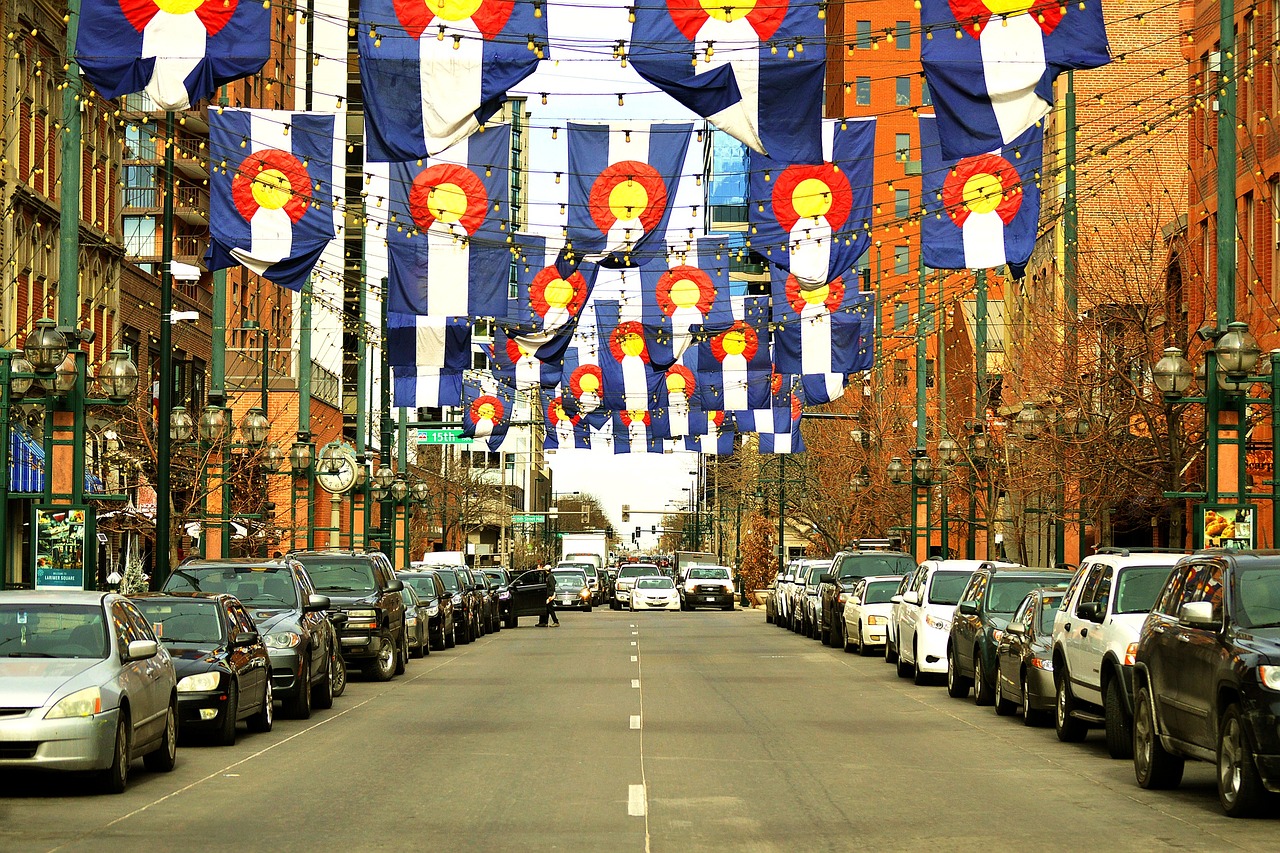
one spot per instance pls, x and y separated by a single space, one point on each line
586 592
996 634
937 623
362 614
1043 664
504 594
877 620
82 703
1131 655
842 598
433 609
283 640
457 599
410 621
202 683
1270 676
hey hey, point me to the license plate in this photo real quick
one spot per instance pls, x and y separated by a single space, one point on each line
711 598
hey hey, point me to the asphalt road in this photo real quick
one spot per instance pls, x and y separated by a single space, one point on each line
635 732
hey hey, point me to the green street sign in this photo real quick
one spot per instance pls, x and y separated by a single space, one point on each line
442 436
527 518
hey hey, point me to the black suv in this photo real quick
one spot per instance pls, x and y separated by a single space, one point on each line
847 568
501 578
438 605
365 588
466 621
289 615
1207 677
985 607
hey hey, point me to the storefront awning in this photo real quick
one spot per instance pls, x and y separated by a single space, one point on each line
26 467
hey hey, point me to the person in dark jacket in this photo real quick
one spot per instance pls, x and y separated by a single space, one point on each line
551 603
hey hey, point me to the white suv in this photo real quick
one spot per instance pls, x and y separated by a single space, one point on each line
923 621
1095 638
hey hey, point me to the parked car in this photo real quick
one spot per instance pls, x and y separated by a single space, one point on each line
437 603
219 658
1024 657
365 587
924 619
989 599
1095 643
891 629
1207 678
86 686
655 592
865 616
781 598
490 621
572 592
627 575
415 622
595 578
806 603
707 586
869 557
466 620
501 578
290 616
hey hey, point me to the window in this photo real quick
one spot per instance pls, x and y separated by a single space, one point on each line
902 91
902 203
901 373
928 368
901 260
863 92
901 316
902 35
863 35
139 236
902 146
139 186
926 97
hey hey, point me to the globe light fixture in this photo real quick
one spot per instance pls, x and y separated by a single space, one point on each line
45 347
1172 373
181 427
254 427
118 376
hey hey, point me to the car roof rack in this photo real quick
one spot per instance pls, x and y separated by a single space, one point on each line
1116 551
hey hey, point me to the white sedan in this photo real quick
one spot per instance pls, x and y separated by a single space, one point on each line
866 612
655 592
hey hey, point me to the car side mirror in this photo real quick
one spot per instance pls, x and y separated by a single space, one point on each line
395 586
1016 628
826 577
141 650
1198 614
911 597
338 619
316 603
897 599
248 638
968 608
1090 610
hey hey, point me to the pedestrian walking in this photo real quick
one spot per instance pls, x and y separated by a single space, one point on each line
551 602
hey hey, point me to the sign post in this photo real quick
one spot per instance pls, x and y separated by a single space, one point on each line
1225 526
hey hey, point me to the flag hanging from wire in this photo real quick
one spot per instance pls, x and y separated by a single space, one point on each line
734 362
272 178
718 440
433 73
982 211
688 289
632 432
428 356
991 75
179 53
487 406
629 378
754 70
518 365
822 334
551 289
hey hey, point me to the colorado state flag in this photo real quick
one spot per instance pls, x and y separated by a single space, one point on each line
272 187
487 406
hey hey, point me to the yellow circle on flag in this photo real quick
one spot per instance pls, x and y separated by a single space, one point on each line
1008 8
628 200
558 293
983 193
685 293
447 202
734 342
178 7
631 344
728 10
676 383
817 295
271 189
589 384
485 412
811 198
455 10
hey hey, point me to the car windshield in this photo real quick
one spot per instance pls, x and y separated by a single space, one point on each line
52 631
257 586
655 583
1048 609
498 578
866 565
569 580
1138 587
946 587
337 576
196 622
712 574
636 570
449 579
1005 594
880 592
422 585
1257 594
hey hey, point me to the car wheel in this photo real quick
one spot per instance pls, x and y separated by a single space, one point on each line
587 609
1030 716
826 635
1240 787
513 621
164 757
957 684
921 677
266 716
848 644
424 647
402 654
1070 729
461 633
300 706
384 665
905 670
339 677
322 693
1119 728
1004 705
1154 767
226 734
983 691
116 777
768 618
890 650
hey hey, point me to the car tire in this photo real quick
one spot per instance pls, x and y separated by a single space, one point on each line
921 677
339 677
115 778
957 684
983 691
768 618
266 716
299 707
402 654
1004 707
864 650
383 667
824 635
905 670
1240 788
164 757
848 644
513 621
890 650
1030 716
424 648
226 733
1154 767
587 609
322 693
461 633
1069 729
1119 727
450 637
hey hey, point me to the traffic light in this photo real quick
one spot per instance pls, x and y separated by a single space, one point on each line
653 528
637 533
626 513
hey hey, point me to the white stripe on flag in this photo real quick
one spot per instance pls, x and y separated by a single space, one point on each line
815 341
449 74
1012 64
448 265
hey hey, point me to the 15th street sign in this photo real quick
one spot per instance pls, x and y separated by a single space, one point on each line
442 436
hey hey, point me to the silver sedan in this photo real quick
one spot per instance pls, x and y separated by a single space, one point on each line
85 685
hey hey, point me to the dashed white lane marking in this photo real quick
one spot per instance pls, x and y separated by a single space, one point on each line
635 721
636 800
633 626
634 633
635 658
633 642
635 683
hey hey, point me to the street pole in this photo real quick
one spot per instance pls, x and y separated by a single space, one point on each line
385 511
782 470
919 530
6 371
163 451
359 516
69 222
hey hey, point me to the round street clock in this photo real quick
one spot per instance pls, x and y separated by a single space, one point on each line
336 468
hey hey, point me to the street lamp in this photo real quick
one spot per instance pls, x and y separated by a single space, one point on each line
1029 423
399 489
255 428
1172 373
215 424
897 471
948 451
300 455
45 347
273 458
181 427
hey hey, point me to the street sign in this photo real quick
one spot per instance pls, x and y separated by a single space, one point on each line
442 436
527 518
